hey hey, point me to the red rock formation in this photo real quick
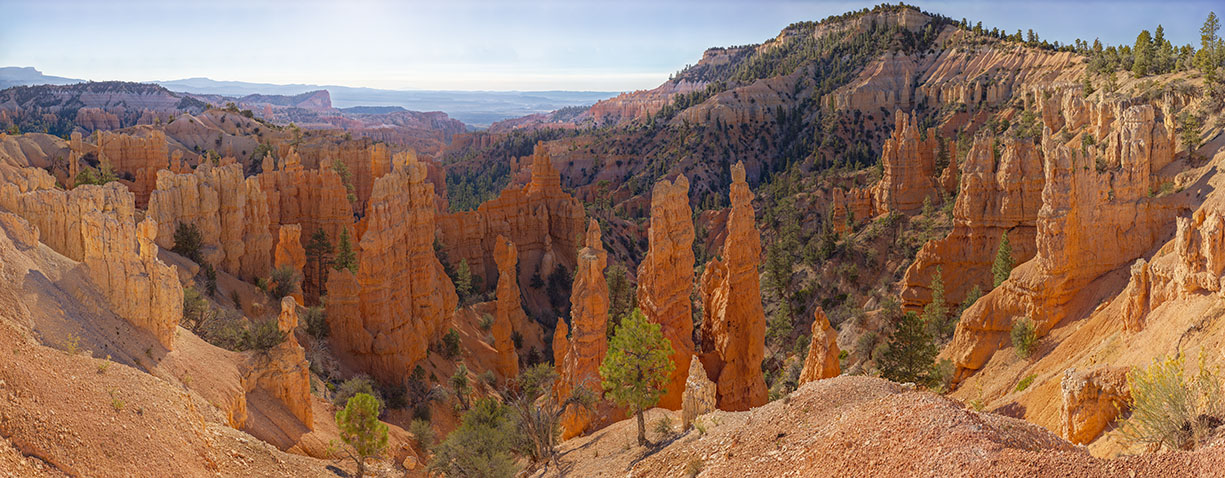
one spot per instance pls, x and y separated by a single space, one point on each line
588 342
1194 265
822 361
851 206
231 213
1091 222
508 309
543 222
284 374
665 279
403 297
289 251
998 195
96 225
314 199
733 321
699 396
909 168
1092 399
140 157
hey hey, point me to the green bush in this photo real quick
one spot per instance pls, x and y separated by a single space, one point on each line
283 282
1024 335
187 241
316 322
422 433
1025 382
450 344
357 384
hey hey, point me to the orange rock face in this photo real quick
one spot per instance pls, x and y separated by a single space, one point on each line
1092 399
96 226
588 342
543 222
1094 219
733 321
289 251
822 361
314 199
665 279
998 195
508 309
851 207
284 373
401 299
140 157
1192 267
231 213
909 168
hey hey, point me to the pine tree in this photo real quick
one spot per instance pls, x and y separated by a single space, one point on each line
463 280
361 429
1003 261
935 313
318 252
345 257
1143 54
636 369
911 353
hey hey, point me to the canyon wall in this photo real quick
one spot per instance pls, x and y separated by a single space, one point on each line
95 225
384 317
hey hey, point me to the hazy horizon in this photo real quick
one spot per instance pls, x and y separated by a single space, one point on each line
477 45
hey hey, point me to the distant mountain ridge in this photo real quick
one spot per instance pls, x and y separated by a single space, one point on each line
476 108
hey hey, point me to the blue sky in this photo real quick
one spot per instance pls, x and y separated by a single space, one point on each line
477 45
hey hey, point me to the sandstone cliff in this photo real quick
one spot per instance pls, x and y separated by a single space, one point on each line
544 222
999 194
384 317
910 175
1094 219
665 279
230 211
96 226
733 320
137 159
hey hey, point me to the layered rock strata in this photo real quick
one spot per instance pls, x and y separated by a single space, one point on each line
508 309
910 175
95 225
733 320
665 279
384 317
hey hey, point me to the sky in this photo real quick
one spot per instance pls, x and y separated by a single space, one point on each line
617 45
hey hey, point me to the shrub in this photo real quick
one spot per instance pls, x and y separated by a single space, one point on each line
695 467
461 386
196 311
1024 335
486 322
353 386
1025 382
450 344
282 282
422 433
480 446
316 322
187 241
361 429
663 426
1171 407
210 279
264 335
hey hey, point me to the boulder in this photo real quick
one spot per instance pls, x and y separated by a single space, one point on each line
1092 399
